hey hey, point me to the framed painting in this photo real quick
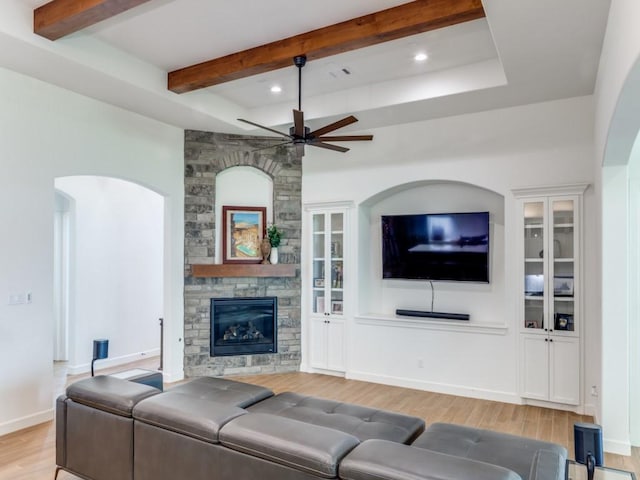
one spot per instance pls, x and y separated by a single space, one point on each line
243 228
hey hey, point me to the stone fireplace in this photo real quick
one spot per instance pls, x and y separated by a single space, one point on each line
206 155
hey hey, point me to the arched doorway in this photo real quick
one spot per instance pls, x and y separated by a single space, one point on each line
620 331
109 275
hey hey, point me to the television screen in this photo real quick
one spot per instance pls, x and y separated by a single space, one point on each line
441 246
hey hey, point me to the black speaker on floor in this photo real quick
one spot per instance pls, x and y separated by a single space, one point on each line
588 446
100 351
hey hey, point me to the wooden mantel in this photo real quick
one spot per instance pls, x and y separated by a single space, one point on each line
243 270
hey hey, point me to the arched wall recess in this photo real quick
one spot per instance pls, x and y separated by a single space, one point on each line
430 196
241 186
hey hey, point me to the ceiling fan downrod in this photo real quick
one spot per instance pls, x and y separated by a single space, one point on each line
300 61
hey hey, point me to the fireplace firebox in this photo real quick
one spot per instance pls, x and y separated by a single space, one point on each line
243 325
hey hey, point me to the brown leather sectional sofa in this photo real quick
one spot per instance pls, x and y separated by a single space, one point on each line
218 429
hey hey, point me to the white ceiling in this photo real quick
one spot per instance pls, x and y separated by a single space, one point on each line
525 51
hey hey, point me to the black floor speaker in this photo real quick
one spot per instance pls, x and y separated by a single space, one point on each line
588 441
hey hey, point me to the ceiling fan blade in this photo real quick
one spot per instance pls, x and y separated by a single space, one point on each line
264 128
298 123
347 138
329 146
334 126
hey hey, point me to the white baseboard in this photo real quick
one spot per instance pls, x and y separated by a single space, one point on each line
26 422
617 447
579 409
113 362
321 371
458 390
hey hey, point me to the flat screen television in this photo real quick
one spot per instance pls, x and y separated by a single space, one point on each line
436 246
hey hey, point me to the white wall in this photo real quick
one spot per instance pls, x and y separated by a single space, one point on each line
117 271
534 145
615 299
47 132
616 125
617 121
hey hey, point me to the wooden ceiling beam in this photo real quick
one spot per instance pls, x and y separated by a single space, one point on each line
58 18
408 19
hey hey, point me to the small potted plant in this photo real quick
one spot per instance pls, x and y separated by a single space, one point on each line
274 236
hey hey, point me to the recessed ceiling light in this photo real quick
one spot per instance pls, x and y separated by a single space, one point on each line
420 57
276 89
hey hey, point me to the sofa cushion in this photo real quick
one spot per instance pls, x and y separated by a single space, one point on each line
196 417
384 460
110 394
509 451
223 391
310 448
362 422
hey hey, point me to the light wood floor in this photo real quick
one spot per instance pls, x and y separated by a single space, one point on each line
30 453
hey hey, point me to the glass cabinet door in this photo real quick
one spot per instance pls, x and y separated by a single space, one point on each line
318 249
534 271
563 265
328 262
337 264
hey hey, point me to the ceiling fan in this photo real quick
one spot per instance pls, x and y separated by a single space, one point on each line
300 135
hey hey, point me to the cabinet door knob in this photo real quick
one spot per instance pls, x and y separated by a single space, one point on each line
551 339
546 339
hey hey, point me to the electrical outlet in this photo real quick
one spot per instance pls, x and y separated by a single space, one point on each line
594 391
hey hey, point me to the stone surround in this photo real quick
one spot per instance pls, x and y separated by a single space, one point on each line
207 154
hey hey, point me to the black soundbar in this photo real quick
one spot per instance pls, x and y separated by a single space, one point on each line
422 313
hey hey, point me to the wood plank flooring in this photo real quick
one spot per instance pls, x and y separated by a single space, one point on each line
30 454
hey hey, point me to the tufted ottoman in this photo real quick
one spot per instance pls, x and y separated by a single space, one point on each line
361 422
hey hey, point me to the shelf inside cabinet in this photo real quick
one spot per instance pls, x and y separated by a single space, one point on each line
243 270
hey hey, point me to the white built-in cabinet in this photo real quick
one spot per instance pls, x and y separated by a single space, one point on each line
550 293
325 287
